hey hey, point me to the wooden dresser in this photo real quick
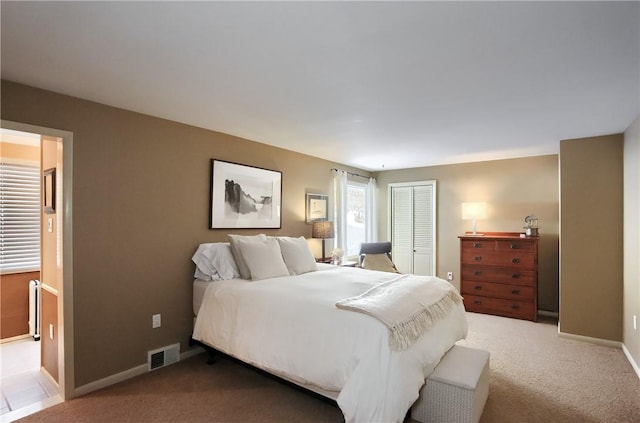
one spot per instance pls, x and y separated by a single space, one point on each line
499 274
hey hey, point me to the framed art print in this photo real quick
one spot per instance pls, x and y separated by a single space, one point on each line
244 196
317 207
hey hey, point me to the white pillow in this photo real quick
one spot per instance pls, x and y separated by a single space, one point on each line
245 273
264 259
297 255
204 269
221 259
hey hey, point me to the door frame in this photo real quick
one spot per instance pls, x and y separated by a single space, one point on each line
434 184
66 374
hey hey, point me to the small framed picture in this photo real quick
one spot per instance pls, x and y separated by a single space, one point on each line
49 191
317 207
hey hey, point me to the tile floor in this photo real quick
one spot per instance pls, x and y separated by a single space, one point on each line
21 382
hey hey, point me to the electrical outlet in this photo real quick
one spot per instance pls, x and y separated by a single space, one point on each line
449 276
156 321
635 322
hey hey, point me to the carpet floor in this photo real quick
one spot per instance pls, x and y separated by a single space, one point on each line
535 377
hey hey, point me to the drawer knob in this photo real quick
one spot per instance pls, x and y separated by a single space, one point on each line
478 258
514 246
477 302
515 292
515 306
515 260
477 245
478 288
515 276
478 272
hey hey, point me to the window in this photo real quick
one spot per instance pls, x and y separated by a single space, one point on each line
19 217
356 217
354 211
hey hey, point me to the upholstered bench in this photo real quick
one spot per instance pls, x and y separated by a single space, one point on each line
457 390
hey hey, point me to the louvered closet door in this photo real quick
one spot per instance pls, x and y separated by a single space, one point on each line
412 227
423 228
402 228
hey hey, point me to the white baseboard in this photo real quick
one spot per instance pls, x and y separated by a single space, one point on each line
599 341
127 374
635 366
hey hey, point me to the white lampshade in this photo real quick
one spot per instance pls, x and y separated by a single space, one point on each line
474 211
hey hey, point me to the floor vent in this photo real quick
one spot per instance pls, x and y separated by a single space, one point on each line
163 356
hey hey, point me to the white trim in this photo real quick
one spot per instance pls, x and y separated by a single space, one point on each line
110 380
50 289
31 409
127 374
633 363
15 338
598 341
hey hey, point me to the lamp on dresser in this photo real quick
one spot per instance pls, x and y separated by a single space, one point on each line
474 211
322 230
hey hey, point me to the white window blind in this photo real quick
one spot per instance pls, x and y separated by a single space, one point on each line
19 217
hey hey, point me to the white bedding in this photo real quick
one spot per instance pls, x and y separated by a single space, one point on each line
290 325
199 288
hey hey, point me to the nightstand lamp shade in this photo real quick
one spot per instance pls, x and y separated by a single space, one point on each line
322 230
474 211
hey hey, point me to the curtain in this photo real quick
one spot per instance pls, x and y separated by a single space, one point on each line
340 209
371 212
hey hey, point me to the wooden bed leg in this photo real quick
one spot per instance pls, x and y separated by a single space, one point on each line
211 357
211 353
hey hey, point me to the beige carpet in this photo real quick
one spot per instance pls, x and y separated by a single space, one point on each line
535 377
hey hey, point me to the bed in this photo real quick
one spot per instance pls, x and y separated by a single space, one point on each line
301 326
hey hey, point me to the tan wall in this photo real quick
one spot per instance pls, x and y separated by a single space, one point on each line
140 208
591 243
512 189
631 336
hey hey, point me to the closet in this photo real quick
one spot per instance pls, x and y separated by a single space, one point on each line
412 226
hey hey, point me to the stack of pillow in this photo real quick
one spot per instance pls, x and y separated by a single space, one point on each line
253 257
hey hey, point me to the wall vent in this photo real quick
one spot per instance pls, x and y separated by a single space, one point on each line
163 356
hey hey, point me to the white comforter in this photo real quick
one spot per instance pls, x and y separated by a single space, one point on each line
290 325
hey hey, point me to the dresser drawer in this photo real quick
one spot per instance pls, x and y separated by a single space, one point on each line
515 245
479 245
506 259
499 290
498 274
500 307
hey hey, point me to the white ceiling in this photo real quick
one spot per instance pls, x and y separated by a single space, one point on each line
368 84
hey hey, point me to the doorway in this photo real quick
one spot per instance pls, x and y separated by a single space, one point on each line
412 226
54 373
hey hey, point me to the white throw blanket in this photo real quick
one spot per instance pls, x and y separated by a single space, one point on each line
408 305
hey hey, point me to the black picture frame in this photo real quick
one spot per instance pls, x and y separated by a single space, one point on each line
317 207
244 197
49 191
